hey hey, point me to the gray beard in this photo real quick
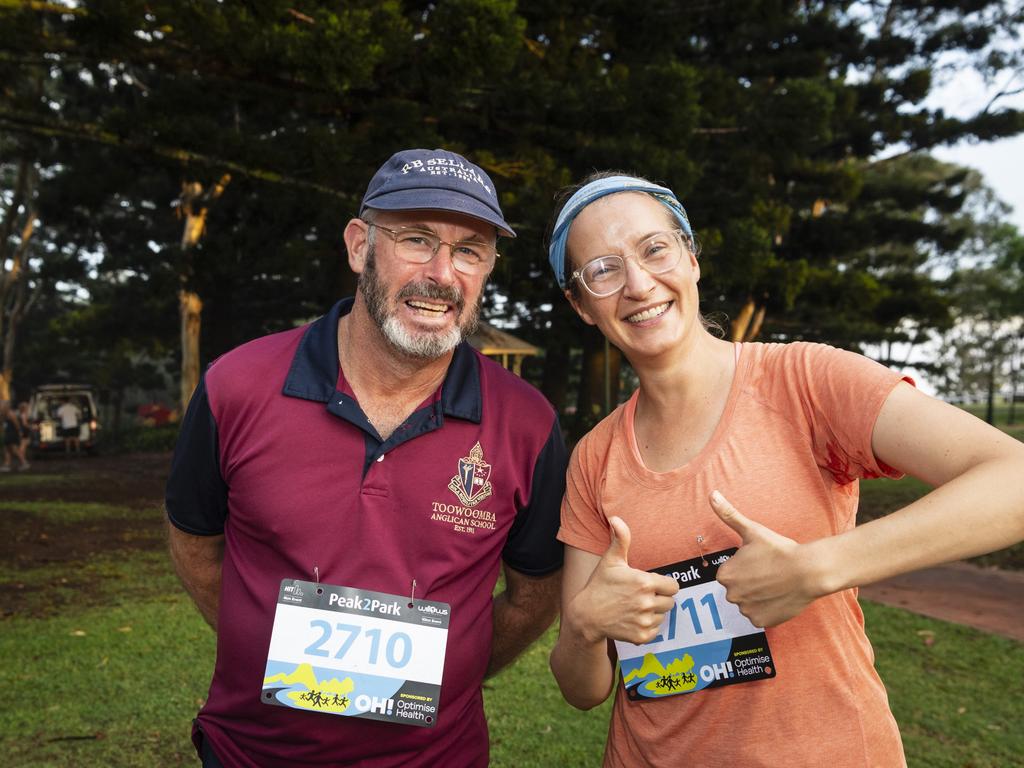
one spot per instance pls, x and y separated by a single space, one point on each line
423 346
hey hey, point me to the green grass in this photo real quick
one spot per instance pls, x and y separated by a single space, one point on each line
108 685
108 663
1000 413
530 723
880 497
957 701
68 511
27 479
1000 417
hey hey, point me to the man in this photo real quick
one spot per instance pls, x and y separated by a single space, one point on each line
70 416
341 496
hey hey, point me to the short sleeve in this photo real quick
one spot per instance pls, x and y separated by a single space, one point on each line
196 495
844 393
584 525
532 547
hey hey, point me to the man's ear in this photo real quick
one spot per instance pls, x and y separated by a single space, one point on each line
357 243
578 306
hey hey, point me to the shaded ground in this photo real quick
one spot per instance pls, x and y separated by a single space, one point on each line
127 480
131 481
60 558
986 598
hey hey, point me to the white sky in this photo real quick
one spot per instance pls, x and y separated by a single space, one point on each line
1002 165
1000 162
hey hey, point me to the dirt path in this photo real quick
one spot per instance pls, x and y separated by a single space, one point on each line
985 598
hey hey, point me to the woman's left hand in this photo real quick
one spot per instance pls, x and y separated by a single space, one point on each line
770 578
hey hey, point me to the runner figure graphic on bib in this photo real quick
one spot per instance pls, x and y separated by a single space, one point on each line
703 642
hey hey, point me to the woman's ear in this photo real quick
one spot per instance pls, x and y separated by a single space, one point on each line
357 242
578 306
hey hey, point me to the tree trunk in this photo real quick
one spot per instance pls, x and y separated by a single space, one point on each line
598 373
748 322
755 326
1011 416
190 309
14 299
193 206
555 378
738 327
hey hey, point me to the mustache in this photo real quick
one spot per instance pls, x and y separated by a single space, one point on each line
425 290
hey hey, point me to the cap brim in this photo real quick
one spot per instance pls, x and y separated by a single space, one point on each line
413 199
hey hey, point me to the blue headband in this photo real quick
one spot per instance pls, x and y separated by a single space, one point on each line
598 189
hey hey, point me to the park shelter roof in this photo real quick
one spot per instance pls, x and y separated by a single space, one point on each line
502 346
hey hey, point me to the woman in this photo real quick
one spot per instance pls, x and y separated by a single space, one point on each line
732 472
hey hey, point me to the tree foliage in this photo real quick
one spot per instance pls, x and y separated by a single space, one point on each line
981 351
766 116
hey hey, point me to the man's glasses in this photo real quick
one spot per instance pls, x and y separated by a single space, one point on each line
419 246
656 254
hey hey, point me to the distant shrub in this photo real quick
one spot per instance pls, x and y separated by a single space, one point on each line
142 440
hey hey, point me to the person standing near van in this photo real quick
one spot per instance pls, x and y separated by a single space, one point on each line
25 426
10 436
70 416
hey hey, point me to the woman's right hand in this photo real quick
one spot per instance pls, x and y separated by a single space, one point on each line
620 602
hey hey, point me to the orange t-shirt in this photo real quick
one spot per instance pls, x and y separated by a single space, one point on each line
794 438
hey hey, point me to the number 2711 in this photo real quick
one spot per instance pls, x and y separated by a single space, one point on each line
397 646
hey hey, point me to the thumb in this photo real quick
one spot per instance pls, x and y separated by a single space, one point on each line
728 514
619 548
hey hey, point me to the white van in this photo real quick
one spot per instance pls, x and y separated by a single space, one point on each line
42 411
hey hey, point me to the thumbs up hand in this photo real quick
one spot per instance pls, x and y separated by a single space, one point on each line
620 602
771 578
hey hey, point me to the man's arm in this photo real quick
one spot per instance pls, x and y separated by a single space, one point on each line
197 561
521 614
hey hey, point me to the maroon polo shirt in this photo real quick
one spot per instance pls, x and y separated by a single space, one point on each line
276 454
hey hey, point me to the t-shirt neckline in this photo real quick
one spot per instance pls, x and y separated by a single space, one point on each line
635 463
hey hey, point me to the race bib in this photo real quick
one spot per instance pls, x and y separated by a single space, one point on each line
704 641
356 653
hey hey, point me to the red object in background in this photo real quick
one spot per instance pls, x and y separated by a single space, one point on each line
155 414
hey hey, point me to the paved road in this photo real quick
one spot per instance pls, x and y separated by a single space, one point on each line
984 598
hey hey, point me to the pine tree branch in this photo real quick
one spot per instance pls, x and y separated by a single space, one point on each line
36 126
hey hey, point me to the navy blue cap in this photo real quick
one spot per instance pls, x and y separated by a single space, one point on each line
435 180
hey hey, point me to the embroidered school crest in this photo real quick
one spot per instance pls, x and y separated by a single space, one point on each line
473 482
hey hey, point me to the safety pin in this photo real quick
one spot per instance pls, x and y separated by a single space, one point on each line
412 594
703 557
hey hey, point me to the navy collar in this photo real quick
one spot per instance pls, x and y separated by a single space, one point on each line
314 371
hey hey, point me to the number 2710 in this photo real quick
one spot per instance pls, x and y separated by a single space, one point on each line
397 646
